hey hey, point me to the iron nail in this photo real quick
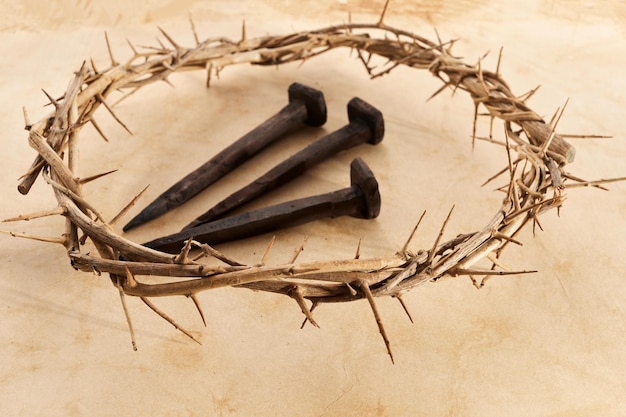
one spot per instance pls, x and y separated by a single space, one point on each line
361 199
366 126
306 106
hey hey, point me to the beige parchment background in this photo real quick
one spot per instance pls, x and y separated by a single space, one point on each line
548 344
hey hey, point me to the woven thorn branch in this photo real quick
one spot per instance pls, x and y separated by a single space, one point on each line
535 174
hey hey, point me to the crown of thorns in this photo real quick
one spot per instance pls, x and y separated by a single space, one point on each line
534 171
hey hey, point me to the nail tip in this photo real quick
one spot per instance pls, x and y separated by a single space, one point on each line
136 221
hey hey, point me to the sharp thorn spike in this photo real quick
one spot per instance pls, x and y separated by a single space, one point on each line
109 49
431 254
52 99
36 215
208 250
381 328
132 47
101 99
169 39
169 319
412 235
46 239
193 30
358 250
129 322
382 14
404 306
313 306
95 177
499 61
98 129
196 302
93 66
266 254
298 251
296 294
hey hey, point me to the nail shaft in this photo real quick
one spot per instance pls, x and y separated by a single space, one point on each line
306 106
366 125
361 200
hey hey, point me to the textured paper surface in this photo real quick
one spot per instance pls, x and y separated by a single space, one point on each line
547 344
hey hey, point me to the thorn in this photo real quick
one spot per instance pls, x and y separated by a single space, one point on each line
101 99
34 237
554 115
132 47
382 15
547 143
502 171
208 250
492 119
526 96
436 93
313 306
499 235
296 294
431 254
196 302
489 272
82 181
512 188
169 39
570 136
163 48
209 69
404 306
537 222
169 320
106 38
358 250
168 82
125 96
36 215
97 127
583 183
497 262
266 254
243 31
439 41
499 61
412 235
481 78
476 104
193 30
52 100
476 284
129 322
379 322
298 251
93 66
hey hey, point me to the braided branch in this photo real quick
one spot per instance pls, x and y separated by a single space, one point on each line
535 175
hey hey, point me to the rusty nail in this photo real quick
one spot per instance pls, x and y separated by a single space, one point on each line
366 125
306 106
361 199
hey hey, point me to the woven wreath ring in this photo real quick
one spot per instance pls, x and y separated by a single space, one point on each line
535 170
